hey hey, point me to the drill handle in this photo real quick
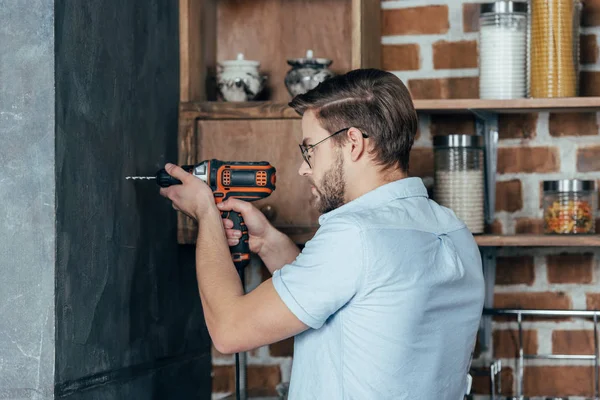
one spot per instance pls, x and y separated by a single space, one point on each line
240 253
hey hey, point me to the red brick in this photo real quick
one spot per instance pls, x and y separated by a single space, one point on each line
284 348
588 159
573 124
515 270
453 55
558 381
447 124
517 126
541 300
481 381
577 342
588 46
421 162
528 159
570 268
400 57
415 21
223 378
592 301
495 228
444 88
261 378
509 195
506 343
589 83
590 15
471 17
529 225
264 377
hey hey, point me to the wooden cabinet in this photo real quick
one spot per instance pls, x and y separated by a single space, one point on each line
269 31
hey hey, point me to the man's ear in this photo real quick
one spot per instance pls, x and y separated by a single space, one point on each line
357 144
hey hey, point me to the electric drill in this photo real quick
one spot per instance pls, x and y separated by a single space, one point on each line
245 180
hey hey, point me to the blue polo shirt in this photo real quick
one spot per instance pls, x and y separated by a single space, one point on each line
392 288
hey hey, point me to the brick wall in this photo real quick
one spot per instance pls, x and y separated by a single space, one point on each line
433 49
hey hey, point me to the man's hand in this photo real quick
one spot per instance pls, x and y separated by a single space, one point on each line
257 223
193 197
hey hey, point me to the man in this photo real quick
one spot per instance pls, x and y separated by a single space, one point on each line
384 302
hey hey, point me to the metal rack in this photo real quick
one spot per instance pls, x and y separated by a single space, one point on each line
496 367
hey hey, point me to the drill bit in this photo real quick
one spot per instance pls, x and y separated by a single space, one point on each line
140 177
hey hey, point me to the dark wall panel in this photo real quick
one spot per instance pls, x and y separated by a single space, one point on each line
126 292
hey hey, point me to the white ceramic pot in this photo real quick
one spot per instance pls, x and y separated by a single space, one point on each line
239 80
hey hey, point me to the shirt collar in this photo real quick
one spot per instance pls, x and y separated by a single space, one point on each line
402 188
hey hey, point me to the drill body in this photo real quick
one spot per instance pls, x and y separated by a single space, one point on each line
244 180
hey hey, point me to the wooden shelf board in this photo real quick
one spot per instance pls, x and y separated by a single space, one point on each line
301 235
217 110
567 104
537 240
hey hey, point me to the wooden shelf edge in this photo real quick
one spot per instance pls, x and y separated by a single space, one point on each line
526 240
216 110
565 104
301 235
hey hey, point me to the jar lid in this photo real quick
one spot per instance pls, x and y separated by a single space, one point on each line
568 185
240 62
458 141
310 60
504 6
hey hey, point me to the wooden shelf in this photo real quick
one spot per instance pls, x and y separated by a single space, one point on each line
274 110
302 235
537 240
567 104
249 110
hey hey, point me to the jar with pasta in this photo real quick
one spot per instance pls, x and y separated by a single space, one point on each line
554 48
569 206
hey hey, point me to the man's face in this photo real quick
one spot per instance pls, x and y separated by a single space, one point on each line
326 176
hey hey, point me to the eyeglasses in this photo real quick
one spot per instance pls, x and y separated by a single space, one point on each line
305 149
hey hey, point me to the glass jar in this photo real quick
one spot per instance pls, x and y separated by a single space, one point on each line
569 206
503 50
554 43
459 177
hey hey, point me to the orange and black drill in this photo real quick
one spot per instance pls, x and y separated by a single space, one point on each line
245 180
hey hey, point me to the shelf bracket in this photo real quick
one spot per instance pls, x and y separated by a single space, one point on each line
486 124
488 258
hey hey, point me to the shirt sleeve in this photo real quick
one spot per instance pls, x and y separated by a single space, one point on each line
325 275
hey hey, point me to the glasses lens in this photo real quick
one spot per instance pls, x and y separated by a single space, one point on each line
304 155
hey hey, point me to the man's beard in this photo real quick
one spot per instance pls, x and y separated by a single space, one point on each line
332 188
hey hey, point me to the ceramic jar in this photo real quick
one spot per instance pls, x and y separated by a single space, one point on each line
239 80
307 73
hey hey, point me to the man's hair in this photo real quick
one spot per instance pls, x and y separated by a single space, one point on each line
374 101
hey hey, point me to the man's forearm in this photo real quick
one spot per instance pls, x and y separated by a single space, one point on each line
218 281
278 250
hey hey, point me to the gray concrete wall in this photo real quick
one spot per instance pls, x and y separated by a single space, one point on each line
129 323
27 214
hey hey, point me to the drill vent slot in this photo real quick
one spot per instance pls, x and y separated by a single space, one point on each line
261 178
226 177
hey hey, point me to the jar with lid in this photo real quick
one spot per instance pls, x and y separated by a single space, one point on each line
503 50
459 177
554 43
306 73
239 80
569 206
